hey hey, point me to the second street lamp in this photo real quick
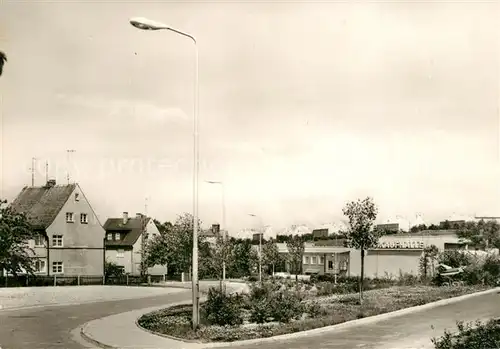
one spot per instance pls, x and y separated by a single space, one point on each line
260 248
224 237
147 24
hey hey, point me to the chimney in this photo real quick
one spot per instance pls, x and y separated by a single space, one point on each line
51 183
125 217
138 215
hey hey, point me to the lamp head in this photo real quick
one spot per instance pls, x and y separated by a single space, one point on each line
147 24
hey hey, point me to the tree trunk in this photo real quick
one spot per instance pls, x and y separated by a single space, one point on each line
273 269
362 275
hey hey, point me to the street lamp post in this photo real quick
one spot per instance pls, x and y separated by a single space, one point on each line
146 24
260 249
223 224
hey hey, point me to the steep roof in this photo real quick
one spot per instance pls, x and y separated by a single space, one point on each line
42 204
132 229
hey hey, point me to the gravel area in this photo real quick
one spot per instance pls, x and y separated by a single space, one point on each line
33 296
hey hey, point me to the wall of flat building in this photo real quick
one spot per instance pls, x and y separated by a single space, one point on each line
385 262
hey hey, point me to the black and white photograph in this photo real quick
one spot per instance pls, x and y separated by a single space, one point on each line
284 174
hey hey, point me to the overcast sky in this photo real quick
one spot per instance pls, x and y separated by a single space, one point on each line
303 106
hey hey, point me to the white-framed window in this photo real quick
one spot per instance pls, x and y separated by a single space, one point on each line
109 236
57 267
40 266
77 196
57 240
84 218
70 217
120 253
117 236
313 260
322 260
39 240
307 260
330 265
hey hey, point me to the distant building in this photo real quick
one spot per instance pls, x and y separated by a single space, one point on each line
125 242
392 227
320 233
257 236
70 237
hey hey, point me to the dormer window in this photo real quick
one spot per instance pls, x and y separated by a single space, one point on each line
117 236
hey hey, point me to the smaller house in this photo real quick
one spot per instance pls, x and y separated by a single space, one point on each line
321 259
211 235
125 240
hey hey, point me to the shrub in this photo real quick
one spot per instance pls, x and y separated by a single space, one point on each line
407 279
222 308
314 309
260 311
286 306
482 335
253 278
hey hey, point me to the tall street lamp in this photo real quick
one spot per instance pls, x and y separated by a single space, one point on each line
223 224
260 248
146 24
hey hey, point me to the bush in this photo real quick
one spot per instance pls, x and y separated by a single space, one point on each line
222 308
480 336
286 306
314 309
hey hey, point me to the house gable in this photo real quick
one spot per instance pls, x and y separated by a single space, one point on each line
83 229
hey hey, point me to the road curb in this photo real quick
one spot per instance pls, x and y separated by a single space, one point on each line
87 337
91 340
187 341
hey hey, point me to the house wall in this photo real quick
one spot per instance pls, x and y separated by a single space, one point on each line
78 261
321 265
125 261
83 244
152 231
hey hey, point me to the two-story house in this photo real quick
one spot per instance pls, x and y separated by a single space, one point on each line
69 240
125 241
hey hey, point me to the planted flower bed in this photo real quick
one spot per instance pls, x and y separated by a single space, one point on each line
275 308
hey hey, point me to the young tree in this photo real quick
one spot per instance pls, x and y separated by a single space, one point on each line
242 259
428 261
296 249
15 232
174 246
270 254
361 235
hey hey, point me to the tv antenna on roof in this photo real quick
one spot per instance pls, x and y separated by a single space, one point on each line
33 164
68 152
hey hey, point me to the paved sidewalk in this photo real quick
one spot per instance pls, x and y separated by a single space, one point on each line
121 331
384 331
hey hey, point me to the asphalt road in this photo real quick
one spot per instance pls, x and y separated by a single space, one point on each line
50 327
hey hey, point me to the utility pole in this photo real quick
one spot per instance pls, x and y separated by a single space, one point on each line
46 171
68 152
